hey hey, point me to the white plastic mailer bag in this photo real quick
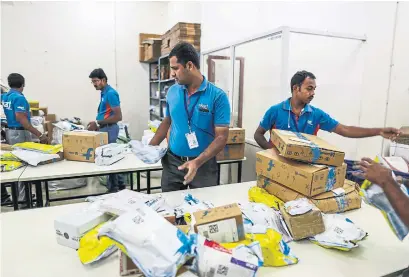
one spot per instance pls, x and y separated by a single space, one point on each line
156 246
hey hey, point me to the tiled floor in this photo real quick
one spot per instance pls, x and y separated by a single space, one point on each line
93 186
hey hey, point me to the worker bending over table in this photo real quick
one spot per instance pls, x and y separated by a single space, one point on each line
297 115
108 116
197 118
19 128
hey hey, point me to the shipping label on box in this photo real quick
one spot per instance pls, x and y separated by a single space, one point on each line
304 225
307 148
336 201
221 224
80 146
307 179
236 136
231 152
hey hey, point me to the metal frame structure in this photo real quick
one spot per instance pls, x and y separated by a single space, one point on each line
284 32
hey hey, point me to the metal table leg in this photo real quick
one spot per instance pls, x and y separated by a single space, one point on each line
131 180
14 195
47 194
27 191
138 181
239 169
39 194
148 182
218 174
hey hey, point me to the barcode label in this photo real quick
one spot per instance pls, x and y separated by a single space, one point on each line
222 270
211 272
213 229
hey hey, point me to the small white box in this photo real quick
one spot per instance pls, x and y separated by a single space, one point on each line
71 227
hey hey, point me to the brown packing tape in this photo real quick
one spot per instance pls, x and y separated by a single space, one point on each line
327 202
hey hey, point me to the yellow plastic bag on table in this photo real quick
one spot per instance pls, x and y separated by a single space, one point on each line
275 251
93 249
9 157
260 195
43 148
7 166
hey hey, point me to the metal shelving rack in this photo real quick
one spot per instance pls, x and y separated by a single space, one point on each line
156 87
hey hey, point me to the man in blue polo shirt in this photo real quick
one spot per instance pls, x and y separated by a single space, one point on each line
198 119
297 115
19 128
109 114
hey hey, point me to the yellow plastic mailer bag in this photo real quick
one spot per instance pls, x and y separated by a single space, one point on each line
7 166
43 148
275 251
260 195
9 157
93 249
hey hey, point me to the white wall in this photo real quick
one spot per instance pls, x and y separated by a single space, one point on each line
55 45
223 23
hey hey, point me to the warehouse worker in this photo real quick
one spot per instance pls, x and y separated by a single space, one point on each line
109 114
382 176
198 117
297 115
17 111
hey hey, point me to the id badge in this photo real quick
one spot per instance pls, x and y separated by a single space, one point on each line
192 140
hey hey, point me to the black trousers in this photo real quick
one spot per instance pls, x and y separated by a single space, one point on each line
173 178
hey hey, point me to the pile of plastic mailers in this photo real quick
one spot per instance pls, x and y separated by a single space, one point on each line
30 153
161 239
147 153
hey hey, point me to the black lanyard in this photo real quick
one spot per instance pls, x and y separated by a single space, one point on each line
190 114
296 124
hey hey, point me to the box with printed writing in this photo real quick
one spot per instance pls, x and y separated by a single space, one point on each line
81 145
307 148
307 179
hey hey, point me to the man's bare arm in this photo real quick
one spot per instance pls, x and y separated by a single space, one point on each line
260 139
162 131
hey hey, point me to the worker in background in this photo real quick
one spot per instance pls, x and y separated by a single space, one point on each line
109 114
198 117
19 128
297 115
382 176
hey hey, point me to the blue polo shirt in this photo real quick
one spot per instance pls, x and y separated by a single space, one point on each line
310 120
209 107
14 102
109 100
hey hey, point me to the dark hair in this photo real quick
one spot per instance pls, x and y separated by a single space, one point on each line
98 73
185 52
16 80
299 78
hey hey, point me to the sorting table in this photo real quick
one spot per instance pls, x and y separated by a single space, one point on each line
31 235
72 169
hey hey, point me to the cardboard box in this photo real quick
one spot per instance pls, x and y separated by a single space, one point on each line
6 147
181 32
36 111
236 136
403 138
304 225
307 179
221 224
152 48
307 148
80 146
143 37
51 117
231 152
336 201
71 227
49 128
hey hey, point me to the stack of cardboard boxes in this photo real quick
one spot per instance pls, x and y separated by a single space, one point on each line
181 32
234 149
306 166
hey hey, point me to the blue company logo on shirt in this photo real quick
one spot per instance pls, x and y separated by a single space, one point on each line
203 108
309 122
6 105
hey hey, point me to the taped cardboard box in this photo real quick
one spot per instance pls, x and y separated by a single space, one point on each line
307 179
304 225
335 201
221 224
307 148
80 146
236 136
231 152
